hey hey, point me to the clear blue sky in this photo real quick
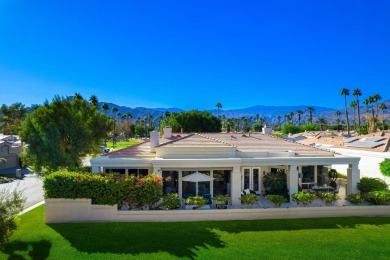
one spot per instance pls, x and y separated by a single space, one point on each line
193 54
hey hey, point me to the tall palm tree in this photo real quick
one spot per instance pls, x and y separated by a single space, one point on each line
383 107
321 121
299 113
219 106
105 107
345 93
257 117
310 110
353 105
357 93
291 117
114 110
93 100
367 103
278 118
337 114
376 98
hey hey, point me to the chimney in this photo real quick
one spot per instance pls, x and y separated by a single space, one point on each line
167 132
154 140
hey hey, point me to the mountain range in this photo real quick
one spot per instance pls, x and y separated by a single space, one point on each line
269 112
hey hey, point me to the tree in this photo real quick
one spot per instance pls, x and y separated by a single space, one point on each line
353 105
291 117
383 107
60 133
278 118
219 106
11 118
345 93
321 121
11 204
310 110
337 114
384 168
105 107
94 101
114 111
299 113
357 93
192 121
375 99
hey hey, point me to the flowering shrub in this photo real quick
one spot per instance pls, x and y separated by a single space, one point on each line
106 189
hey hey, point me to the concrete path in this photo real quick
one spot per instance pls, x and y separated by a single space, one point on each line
31 187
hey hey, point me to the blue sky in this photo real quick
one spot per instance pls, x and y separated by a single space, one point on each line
193 54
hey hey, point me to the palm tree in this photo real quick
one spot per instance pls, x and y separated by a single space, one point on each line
278 118
367 103
257 117
345 92
383 107
77 96
219 106
357 93
114 110
376 98
337 114
93 100
310 110
291 115
353 105
321 121
299 113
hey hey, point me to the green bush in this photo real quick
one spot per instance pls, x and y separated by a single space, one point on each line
368 184
275 183
303 198
171 201
381 197
221 200
355 198
278 200
328 197
384 167
107 189
249 199
199 201
11 204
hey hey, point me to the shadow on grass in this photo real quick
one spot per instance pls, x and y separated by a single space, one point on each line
35 250
182 239
178 239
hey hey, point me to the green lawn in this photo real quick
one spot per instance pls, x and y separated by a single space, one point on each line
120 145
322 238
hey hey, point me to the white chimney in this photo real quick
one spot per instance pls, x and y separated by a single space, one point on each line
154 140
167 132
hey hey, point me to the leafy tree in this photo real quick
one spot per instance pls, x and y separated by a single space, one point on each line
345 93
11 204
11 118
192 121
59 133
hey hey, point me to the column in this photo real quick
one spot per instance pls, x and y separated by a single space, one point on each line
293 180
353 177
315 174
235 185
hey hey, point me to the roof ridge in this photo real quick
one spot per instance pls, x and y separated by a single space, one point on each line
215 139
172 141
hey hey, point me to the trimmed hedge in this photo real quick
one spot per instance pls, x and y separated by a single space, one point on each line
104 189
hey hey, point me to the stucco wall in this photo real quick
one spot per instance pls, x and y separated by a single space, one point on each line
81 210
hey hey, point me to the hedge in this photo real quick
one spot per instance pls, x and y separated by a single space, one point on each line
104 189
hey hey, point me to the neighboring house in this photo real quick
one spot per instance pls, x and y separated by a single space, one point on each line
9 149
235 161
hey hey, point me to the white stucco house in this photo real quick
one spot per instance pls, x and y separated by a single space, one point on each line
235 162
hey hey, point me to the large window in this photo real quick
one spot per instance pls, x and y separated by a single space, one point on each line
221 183
170 182
189 188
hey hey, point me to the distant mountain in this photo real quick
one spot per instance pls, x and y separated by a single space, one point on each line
269 112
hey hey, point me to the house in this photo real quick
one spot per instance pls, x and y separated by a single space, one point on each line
235 162
9 149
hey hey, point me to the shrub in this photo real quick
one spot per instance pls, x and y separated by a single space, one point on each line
328 197
368 184
171 201
275 183
303 198
381 197
384 167
221 200
355 198
199 201
248 199
278 200
107 189
11 204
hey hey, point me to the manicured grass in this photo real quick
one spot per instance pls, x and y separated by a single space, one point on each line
321 238
121 145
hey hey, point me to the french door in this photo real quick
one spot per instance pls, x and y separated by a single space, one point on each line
251 179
